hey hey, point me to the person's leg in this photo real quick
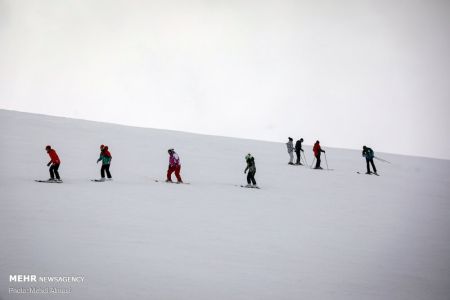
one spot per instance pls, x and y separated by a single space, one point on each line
249 177
252 178
108 174
291 157
56 167
368 166
297 153
317 161
52 175
102 171
169 173
177 173
373 165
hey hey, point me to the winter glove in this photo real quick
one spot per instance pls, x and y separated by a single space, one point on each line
48 165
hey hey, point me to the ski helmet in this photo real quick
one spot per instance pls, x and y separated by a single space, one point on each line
248 156
301 139
48 147
102 146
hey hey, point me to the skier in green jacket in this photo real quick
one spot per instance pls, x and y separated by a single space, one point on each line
105 157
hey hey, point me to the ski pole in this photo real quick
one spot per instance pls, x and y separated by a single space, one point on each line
325 155
304 157
312 162
383 160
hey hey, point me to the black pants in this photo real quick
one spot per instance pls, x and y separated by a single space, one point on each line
54 171
298 156
373 165
318 161
251 177
102 171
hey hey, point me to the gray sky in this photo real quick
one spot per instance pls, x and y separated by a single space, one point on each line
348 72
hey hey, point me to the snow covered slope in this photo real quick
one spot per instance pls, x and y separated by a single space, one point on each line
305 235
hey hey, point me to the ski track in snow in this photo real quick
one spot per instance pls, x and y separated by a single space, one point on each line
304 235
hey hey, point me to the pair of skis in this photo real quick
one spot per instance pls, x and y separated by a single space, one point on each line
49 181
175 182
250 187
371 173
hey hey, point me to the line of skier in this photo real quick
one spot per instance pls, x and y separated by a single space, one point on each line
175 163
367 152
106 157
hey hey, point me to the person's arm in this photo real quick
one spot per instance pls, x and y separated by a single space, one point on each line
100 158
51 158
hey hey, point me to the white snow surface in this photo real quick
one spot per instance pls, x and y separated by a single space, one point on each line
305 234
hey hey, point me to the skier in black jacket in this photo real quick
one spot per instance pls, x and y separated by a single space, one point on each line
251 168
298 148
369 155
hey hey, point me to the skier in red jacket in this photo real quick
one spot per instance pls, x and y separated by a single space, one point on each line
317 151
54 162
174 166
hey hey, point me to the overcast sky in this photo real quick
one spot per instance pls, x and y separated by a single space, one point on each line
349 72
